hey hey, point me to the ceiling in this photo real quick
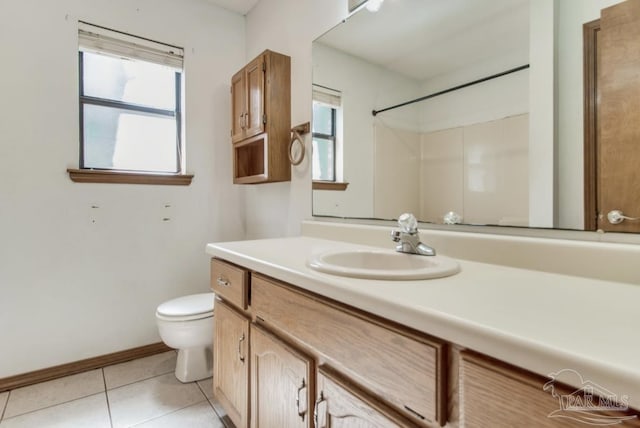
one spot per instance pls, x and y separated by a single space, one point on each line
426 38
239 6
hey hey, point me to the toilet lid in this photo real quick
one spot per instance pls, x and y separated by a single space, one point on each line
188 306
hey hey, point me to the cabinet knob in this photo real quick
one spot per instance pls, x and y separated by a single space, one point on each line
223 282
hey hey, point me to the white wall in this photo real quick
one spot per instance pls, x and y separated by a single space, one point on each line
364 87
71 288
289 27
491 100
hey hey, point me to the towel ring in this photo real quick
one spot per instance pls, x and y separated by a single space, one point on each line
296 158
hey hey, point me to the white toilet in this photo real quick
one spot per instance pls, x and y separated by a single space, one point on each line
186 324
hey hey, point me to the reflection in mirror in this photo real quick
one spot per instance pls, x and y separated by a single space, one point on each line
482 154
462 152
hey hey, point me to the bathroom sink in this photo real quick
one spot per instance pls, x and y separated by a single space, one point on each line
383 264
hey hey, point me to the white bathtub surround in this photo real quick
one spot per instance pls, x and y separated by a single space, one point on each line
541 321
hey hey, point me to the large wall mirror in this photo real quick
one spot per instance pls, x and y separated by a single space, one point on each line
497 138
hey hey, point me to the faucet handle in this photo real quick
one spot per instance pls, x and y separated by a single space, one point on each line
408 223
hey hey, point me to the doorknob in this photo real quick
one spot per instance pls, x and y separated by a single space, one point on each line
617 217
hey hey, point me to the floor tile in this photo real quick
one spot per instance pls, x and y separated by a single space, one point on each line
89 412
217 407
142 401
140 369
3 401
206 386
199 415
53 392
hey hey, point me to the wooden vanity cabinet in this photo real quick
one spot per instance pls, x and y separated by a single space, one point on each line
261 119
231 363
401 369
286 357
282 383
495 394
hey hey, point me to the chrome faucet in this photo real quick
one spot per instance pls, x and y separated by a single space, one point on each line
408 239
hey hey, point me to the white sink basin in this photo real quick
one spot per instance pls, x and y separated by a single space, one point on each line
383 264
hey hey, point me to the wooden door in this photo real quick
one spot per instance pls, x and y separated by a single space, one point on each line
618 115
282 383
231 363
342 405
238 105
255 75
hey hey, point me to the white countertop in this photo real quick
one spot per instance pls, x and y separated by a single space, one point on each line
539 321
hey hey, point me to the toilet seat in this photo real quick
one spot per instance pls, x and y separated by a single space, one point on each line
187 308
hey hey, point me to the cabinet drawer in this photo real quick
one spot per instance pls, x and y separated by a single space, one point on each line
230 282
405 370
493 394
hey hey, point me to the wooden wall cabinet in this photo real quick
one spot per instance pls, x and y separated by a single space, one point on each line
261 120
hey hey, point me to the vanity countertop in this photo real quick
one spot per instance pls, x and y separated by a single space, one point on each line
543 322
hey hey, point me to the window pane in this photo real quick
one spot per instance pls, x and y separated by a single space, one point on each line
322 119
323 159
130 81
121 139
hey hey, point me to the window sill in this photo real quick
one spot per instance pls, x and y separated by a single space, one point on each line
127 177
329 185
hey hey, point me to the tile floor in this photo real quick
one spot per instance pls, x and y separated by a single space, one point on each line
140 393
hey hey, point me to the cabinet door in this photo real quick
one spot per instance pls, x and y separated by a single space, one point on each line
238 105
231 363
281 383
341 405
254 75
493 394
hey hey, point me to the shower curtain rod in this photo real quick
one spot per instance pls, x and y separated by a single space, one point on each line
455 88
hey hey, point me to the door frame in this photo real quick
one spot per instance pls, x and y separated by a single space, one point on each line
590 32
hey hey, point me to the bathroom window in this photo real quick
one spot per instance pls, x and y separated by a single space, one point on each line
326 135
130 95
324 142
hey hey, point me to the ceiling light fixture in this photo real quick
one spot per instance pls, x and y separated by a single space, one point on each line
374 5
